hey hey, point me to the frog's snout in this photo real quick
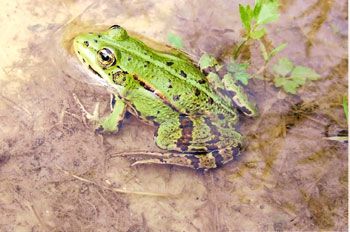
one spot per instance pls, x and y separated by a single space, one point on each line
77 44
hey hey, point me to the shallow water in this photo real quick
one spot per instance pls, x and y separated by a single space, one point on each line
57 174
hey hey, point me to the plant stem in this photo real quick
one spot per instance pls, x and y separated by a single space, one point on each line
238 50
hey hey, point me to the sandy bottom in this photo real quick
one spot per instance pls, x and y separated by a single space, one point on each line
56 174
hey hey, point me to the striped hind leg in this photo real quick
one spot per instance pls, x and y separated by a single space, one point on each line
194 142
211 160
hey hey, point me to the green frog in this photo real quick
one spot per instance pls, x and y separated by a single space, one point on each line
193 109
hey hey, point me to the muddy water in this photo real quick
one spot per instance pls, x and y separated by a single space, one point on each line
58 175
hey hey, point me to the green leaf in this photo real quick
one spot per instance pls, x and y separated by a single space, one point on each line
279 81
175 40
257 9
277 49
206 61
283 67
268 13
288 85
239 71
304 72
244 17
257 34
299 75
249 12
345 107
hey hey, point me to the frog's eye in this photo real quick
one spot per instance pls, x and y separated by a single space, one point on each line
106 58
117 32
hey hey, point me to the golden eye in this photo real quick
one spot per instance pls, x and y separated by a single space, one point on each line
106 58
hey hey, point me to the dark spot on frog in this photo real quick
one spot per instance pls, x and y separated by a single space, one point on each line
170 86
197 92
182 73
95 40
86 43
150 118
221 116
218 158
158 112
142 84
210 101
230 93
207 70
99 36
169 63
78 52
201 81
176 97
129 58
213 141
194 161
186 126
214 131
222 91
212 147
146 64
83 60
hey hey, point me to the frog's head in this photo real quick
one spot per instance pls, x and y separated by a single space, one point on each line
98 51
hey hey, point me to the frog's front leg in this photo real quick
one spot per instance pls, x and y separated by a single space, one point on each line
110 123
225 85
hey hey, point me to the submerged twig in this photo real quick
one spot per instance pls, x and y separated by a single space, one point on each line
338 138
117 190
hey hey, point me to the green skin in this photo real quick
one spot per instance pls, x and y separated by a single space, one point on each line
194 114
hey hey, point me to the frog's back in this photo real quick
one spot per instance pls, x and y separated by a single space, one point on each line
173 77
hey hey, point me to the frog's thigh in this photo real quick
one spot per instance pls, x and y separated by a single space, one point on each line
167 134
112 122
184 134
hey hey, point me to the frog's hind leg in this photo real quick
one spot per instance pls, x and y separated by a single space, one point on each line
211 160
225 85
198 142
